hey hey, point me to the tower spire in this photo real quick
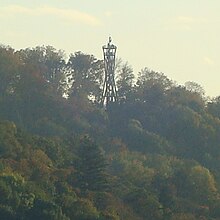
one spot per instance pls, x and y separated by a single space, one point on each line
109 93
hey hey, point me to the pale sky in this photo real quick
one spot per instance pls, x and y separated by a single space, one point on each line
180 38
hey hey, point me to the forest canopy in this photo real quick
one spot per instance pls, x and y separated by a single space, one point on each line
152 155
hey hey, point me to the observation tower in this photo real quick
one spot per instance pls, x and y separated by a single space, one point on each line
109 93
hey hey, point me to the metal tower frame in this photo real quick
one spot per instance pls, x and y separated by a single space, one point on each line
109 93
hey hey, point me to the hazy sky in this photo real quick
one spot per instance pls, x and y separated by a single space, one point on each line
178 37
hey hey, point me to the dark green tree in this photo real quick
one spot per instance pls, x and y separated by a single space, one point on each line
10 67
45 210
214 107
150 78
125 81
86 76
190 96
92 173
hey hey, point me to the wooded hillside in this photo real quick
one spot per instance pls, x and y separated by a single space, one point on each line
154 155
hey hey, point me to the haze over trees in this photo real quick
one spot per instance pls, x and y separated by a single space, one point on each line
154 155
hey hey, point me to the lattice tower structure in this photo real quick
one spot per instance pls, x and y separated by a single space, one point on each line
109 93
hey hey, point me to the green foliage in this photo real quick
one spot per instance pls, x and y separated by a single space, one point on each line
10 67
144 140
86 75
155 153
83 209
46 127
125 82
145 204
92 173
150 78
183 216
188 96
46 211
214 107
7 213
51 64
9 146
203 184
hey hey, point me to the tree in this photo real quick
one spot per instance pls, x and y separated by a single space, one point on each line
189 96
50 63
82 209
151 89
9 145
150 78
203 185
46 210
194 88
10 67
92 173
86 76
125 81
214 107
145 204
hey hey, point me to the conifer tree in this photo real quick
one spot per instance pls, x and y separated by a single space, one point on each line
92 173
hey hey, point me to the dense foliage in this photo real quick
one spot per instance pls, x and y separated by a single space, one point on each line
154 155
